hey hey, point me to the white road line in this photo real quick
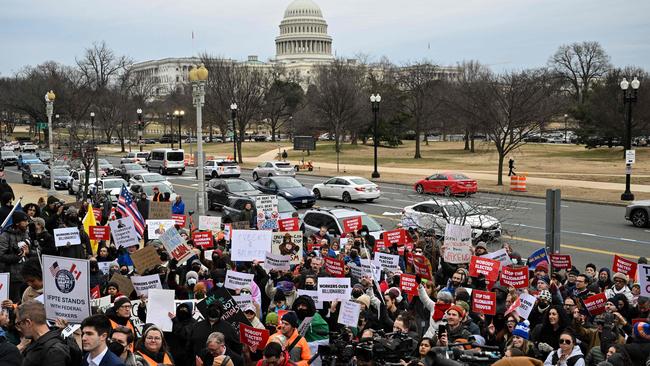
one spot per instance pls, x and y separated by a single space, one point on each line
386 206
582 233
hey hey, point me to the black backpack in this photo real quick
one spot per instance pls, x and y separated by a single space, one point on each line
571 361
66 345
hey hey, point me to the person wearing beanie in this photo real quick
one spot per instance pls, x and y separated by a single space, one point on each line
286 287
15 249
620 287
455 328
520 341
364 300
297 346
544 302
120 314
468 322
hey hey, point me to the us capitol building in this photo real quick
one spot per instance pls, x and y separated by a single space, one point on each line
303 44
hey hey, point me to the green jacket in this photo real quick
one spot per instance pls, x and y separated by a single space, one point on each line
318 329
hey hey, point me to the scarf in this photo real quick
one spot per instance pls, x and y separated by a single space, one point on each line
439 311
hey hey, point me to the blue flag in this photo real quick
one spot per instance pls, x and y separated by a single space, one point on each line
10 219
536 258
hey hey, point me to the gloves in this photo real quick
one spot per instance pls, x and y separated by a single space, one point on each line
544 347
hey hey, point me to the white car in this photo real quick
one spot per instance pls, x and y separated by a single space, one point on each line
79 180
220 168
139 157
112 187
150 178
436 213
273 168
347 189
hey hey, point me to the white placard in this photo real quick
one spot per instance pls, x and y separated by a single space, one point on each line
208 254
155 228
142 284
349 314
66 236
500 255
71 328
388 262
4 286
66 288
105 267
123 232
527 302
277 262
314 296
243 301
237 280
332 288
160 304
267 212
102 304
458 244
630 156
212 223
644 279
249 245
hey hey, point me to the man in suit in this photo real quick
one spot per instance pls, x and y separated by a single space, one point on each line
95 331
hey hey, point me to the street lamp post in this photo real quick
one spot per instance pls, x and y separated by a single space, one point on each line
566 129
198 78
171 129
629 97
49 110
375 100
179 115
139 111
233 117
95 150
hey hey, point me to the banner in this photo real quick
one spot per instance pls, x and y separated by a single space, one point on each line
349 314
160 304
314 296
254 338
396 236
485 266
332 288
97 212
4 286
160 210
624 266
538 256
212 223
335 267
155 228
288 243
500 255
644 279
250 245
516 277
126 287
484 302
352 224
175 245
202 239
277 262
560 261
143 284
523 305
179 220
595 304
388 262
408 284
123 232
267 212
290 224
458 244
99 233
421 266
66 288
66 236
237 280
145 258
243 300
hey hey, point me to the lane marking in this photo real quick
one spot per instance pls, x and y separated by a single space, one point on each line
576 247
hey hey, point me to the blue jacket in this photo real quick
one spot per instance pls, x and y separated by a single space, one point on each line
110 359
178 208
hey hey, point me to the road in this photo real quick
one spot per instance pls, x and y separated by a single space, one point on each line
591 233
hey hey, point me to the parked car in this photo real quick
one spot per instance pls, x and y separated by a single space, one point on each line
236 204
220 168
128 170
219 190
112 187
435 214
139 157
347 188
61 178
32 173
273 168
26 159
148 190
149 141
79 180
105 166
447 183
8 157
333 218
638 213
288 187
165 161
61 164
144 178
166 139
28 147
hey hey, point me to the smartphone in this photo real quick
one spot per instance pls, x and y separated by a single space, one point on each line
442 328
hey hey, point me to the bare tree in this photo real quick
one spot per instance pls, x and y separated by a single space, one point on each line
281 101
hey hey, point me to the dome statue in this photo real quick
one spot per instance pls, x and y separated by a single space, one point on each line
303 34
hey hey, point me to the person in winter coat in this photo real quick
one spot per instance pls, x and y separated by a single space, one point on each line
181 322
248 215
200 331
9 354
143 206
546 334
286 287
620 287
33 277
178 207
43 240
297 346
79 251
567 354
318 331
6 205
437 309
604 279
15 249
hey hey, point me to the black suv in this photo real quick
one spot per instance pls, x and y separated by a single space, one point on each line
32 173
220 190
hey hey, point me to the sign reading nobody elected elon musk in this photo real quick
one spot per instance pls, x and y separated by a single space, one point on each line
66 288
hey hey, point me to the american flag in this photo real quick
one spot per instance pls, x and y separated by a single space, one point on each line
54 269
126 207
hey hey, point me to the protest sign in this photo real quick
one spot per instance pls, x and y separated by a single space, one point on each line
179 220
332 288
126 287
408 284
69 330
485 266
623 265
95 293
155 228
314 296
145 258
250 245
160 210
595 304
380 246
277 262
211 223
66 236
160 304
105 267
352 224
231 312
97 212
202 239
123 232
421 266
388 262
236 280
135 320
560 261
516 277
288 243
458 244
538 256
484 302
396 236
500 255
243 300
66 288
290 224
175 245
335 267
644 279
99 233
4 286
102 303
254 338
305 324
349 314
143 284
267 212
523 305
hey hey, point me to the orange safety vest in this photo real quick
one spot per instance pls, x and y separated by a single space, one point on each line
151 362
128 325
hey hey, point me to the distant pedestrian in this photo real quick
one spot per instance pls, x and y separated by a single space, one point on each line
284 155
178 207
511 167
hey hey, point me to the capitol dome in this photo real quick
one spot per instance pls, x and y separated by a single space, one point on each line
303 34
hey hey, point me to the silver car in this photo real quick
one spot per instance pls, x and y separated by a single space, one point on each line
638 213
273 168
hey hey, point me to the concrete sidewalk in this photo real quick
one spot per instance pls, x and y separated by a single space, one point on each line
31 194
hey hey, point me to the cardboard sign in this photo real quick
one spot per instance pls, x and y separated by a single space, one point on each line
202 239
332 288
97 212
126 287
560 261
290 224
500 255
160 210
421 267
314 296
335 267
484 302
408 284
250 245
160 304
267 212
277 262
349 314
155 228
352 224
99 233
4 286
388 262
538 256
66 288
624 266
123 232
595 304
516 277
644 279
254 338
232 314
175 245
237 280
523 305
396 236
145 258
291 247
66 236
143 284
211 223
485 266
179 220
458 244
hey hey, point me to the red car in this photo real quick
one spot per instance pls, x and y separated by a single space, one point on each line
447 183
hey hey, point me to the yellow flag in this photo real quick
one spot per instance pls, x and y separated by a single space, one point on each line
88 221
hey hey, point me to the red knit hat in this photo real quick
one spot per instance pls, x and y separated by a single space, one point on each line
458 309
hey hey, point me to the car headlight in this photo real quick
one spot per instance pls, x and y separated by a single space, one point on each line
288 194
35 175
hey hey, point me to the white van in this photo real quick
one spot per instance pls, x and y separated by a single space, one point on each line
165 161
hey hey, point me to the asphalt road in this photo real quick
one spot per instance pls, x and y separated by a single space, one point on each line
591 233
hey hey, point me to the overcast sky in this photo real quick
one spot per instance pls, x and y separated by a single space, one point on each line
507 34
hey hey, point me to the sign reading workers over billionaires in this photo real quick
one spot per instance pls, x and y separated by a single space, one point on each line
66 288
331 289
458 244
66 235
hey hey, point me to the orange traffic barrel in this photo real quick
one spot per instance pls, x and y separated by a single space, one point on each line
518 183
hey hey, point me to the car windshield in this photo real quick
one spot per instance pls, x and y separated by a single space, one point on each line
38 168
365 220
29 157
239 186
360 181
61 172
153 178
461 209
103 162
114 183
283 165
175 156
132 167
142 155
287 182
226 163
458 176
284 205
8 154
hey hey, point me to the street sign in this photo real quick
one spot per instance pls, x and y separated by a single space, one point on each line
41 125
630 156
628 169
304 143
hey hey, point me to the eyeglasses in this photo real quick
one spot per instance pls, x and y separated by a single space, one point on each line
155 339
565 341
126 306
511 322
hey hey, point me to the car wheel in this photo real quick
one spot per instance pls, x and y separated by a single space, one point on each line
214 175
447 192
369 200
255 176
346 197
639 218
317 194
270 174
419 189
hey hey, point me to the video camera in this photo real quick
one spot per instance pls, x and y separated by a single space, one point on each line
381 349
